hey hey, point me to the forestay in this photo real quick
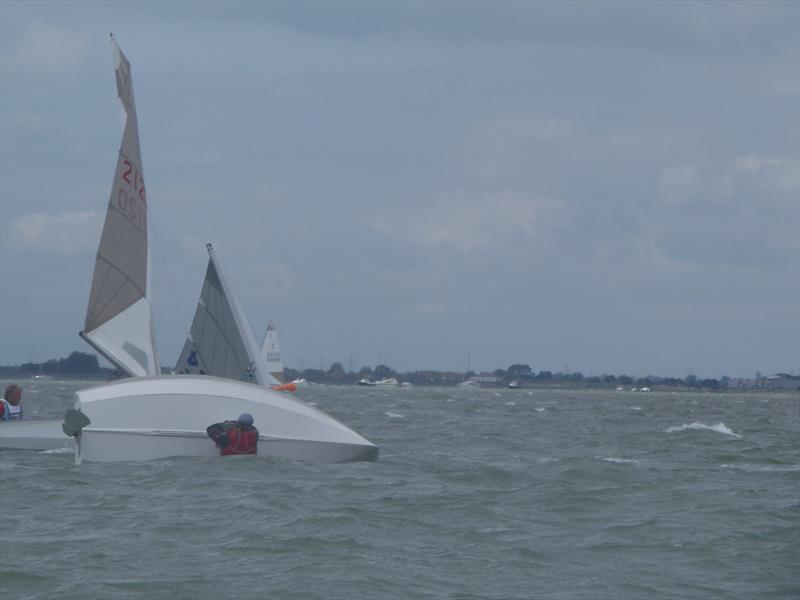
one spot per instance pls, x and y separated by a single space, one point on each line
220 341
119 321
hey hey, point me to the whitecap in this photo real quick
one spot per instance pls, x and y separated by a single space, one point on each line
58 451
539 409
625 461
764 468
636 408
392 415
718 427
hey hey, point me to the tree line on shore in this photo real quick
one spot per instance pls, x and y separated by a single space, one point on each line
77 364
81 364
520 373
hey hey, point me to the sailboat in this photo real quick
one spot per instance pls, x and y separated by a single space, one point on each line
271 351
220 341
148 415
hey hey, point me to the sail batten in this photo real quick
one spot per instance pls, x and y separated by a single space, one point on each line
119 317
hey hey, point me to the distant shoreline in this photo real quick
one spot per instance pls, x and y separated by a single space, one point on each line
80 365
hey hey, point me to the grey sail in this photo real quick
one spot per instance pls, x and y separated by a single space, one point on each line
119 318
220 341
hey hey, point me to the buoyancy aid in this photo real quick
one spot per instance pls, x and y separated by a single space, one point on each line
10 412
241 440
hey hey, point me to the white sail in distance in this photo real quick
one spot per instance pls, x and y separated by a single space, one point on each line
119 323
220 341
271 351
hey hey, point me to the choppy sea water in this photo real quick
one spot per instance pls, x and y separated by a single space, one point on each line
500 494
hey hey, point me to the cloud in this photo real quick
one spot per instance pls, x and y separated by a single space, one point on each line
678 185
24 120
472 222
49 48
742 212
276 277
431 309
65 232
199 155
781 174
739 179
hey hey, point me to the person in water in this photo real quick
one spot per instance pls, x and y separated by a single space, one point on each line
235 437
10 409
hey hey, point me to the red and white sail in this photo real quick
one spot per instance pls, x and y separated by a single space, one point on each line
119 323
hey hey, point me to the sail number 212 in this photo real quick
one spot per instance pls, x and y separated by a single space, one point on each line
131 200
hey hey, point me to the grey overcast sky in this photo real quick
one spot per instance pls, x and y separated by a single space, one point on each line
599 187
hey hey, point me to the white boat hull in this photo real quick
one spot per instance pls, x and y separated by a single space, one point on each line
156 417
34 434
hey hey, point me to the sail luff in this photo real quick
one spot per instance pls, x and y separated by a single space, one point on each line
118 317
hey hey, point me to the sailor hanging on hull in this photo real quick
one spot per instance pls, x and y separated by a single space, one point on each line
235 437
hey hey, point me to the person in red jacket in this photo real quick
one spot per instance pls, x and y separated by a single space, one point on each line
235 437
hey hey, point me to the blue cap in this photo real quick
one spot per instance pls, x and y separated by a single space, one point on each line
245 419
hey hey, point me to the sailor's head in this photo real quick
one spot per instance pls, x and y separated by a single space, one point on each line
13 394
245 419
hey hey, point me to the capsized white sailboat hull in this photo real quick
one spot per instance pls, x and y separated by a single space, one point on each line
155 417
34 434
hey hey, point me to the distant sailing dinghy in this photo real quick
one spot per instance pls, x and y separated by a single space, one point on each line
271 351
148 415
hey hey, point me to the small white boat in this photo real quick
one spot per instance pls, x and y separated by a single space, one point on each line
300 382
34 434
366 382
388 381
514 385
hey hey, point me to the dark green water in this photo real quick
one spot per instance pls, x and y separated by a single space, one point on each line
477 494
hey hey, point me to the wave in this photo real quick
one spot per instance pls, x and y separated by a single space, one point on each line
623 461
58 451
764 468
718 427
392 415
